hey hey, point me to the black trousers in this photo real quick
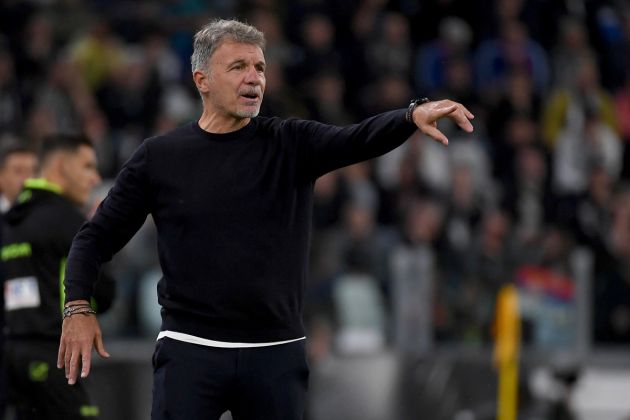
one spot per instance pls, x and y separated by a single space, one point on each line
194 382
38 389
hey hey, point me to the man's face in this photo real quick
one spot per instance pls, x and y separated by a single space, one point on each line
17 168
236 80
80 174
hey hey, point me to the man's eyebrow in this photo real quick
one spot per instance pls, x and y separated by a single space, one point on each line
237 61
243 61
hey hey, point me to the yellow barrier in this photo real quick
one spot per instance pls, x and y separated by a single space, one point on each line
507 351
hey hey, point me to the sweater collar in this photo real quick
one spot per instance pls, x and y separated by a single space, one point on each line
241 133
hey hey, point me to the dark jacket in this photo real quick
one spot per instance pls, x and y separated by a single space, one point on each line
38 232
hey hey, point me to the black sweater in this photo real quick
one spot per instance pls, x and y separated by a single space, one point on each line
233 215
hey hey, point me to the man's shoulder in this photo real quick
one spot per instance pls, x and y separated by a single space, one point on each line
278 126
54 216
172 136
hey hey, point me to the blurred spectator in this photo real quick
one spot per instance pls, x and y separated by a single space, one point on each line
17 163
399 180
96 127
319 53
571 51
464 210
329 197
566 109
360 245
474 14
360 309
547 293
613 42
130 95
612 280
181 17
384 93
491 267
364 19
10 100
160 58
390 50
453 43
359 186
38 49
459 83
465 207
279 51
622 108
432 166
581 148
513 122
512 51
592 213
64 96
529 200
280 97
491 251
326 99
13 16
40 123
414 275
367 16
97 53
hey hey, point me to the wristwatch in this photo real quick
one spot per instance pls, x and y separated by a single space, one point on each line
412 105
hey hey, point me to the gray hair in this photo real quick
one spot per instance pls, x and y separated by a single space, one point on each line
208 39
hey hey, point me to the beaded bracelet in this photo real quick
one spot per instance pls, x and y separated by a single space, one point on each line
84 309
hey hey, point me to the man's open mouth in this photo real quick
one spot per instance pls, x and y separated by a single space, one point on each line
250 95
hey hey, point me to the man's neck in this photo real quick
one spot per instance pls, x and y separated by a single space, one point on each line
214 122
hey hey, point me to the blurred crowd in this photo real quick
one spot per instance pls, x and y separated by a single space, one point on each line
409 249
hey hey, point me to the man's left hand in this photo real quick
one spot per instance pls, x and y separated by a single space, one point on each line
426 116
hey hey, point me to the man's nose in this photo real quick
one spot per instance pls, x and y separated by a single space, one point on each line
252 76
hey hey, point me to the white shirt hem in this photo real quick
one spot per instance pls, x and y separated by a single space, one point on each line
222 344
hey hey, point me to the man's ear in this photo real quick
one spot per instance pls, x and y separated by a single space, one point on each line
201 81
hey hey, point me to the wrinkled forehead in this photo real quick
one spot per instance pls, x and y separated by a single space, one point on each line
229 50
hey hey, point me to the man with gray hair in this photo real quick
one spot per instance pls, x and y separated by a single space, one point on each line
231 195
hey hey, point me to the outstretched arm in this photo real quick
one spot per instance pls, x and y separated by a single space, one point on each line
325 147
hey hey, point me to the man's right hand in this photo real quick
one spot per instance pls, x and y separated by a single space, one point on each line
78 335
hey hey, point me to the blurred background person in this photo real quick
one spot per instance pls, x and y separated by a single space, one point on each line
17 163
38 232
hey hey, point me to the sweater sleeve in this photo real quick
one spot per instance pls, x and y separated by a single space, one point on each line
325 148
116 220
